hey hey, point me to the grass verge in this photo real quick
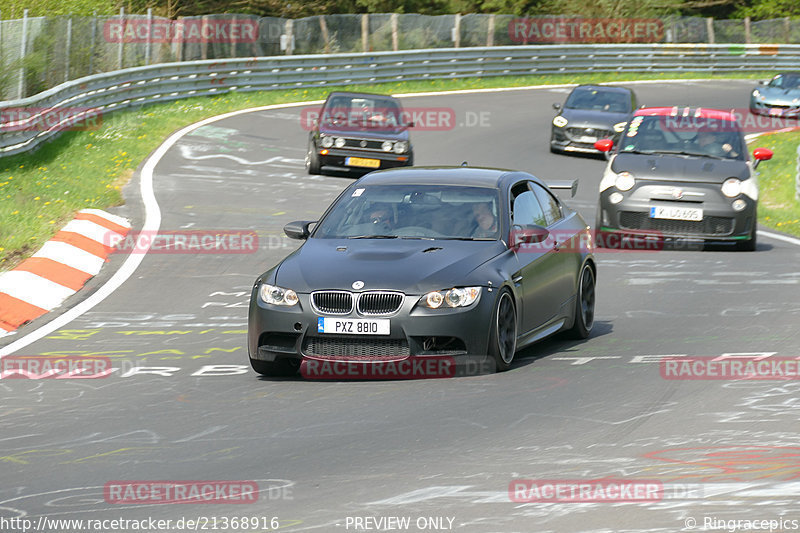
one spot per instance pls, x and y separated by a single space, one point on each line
777 206
41 191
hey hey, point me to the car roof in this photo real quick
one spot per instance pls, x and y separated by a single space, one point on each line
459 176
607 88
356 95
694 112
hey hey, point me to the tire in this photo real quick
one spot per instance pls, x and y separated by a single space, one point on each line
503 333
584 305
277 368
313 165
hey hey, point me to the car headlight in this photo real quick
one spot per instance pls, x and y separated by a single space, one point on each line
277 295
455 297
560 122
732 187
327 142
387 146
619 127
624 181
400 147
756 93
339 142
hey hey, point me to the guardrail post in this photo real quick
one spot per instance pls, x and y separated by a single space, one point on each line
747 30
23 51
710 29
490 32
395 44
323 26
365 32
149 35
94 39
69 47
456 33
121 47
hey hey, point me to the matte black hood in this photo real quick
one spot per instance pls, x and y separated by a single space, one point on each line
413 266
680 168
593 119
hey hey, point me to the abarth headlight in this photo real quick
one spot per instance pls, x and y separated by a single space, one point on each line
732 187
455 297
624 181
274 295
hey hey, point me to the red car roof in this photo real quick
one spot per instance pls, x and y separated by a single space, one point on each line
696 112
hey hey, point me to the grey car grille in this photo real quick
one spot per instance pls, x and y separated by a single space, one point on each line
717 226
379 303
371 303
332 302
355 349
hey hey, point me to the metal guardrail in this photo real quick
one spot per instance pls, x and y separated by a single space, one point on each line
26 123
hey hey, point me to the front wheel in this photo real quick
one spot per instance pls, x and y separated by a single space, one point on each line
584 305
503 335
313 165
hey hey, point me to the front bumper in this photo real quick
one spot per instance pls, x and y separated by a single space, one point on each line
337 157
774 109
578 139
276 332
720 222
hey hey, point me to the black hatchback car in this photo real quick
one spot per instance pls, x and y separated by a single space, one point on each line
591 113
681 174
426 263
359 132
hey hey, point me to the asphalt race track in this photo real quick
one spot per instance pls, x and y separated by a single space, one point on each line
336 456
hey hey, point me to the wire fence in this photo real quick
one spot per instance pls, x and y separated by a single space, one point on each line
38 53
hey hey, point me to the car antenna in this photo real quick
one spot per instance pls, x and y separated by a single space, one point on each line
464 164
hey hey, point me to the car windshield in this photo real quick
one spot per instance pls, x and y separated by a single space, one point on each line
362 112
599 100
413 211
785 81
689 136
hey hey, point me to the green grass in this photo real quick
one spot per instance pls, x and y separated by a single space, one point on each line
42 190
777 206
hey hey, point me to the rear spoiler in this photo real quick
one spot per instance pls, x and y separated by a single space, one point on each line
571 185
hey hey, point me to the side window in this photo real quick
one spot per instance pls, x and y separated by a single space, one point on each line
525 207
549 203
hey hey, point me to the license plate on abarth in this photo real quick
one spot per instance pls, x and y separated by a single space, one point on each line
353 326
676 213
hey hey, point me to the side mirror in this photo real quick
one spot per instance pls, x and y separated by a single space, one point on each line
531 234
298 229
761 154
557 107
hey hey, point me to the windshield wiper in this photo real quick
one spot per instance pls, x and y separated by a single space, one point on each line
693 154
375 237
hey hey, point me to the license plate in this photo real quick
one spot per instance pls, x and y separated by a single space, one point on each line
362 162
776 111
587 139
353 326
677 213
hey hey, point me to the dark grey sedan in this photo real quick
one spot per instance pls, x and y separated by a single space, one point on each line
591 112
427 262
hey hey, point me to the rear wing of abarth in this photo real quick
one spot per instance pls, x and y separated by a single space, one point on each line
570 185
